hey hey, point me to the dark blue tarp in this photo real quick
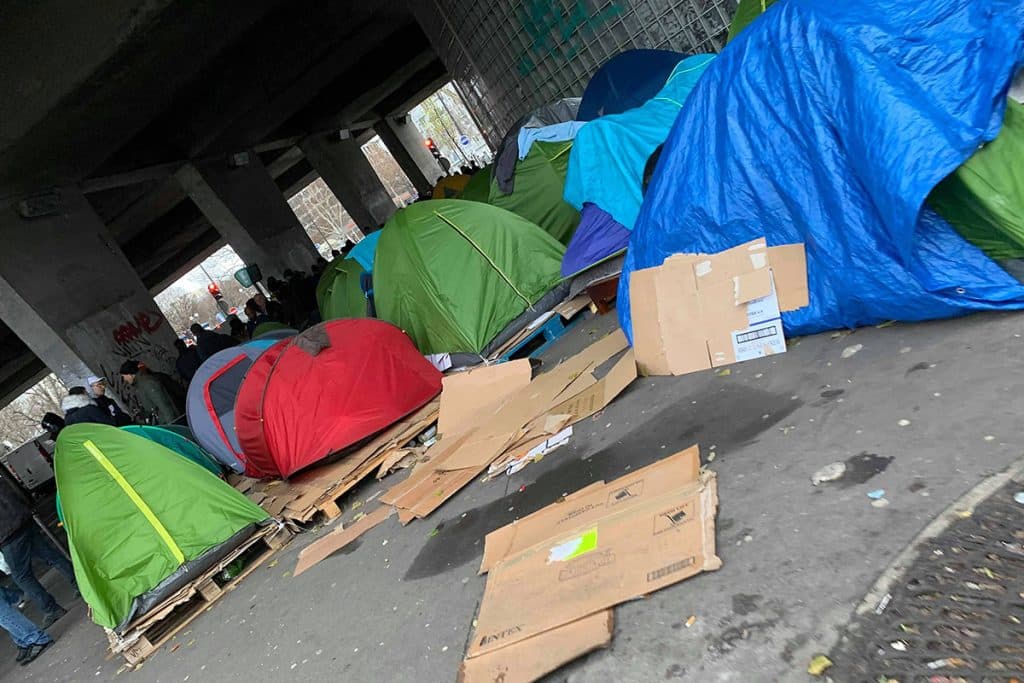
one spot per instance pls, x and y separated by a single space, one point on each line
828 123
597 237
626 81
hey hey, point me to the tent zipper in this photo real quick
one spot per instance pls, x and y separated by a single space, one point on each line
137 499
486 258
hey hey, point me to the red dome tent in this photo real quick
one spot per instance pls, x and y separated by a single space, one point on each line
326 389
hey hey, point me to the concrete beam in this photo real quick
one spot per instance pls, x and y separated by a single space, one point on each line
345 169
89 310
406 144
245 205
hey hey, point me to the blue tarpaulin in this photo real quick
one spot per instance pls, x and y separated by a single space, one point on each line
828 124
606 166
597 237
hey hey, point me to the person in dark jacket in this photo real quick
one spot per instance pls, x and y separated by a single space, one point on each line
98 385
79 408
161 398
188 360
209 342
20 540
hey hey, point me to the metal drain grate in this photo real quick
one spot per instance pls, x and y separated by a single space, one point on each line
957 615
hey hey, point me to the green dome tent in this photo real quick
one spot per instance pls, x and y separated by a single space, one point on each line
478 189
984 198
453 274
172 439
140 519
338 294
746 12
537 194
267 328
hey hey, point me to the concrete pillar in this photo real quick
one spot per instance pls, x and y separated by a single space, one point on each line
68 291
408 146
345 169
246 206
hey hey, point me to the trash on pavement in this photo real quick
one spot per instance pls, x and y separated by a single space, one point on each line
819 665
465 393
539 451
620 540
698 311
876 494
851 350
830 472
1019 497
323 547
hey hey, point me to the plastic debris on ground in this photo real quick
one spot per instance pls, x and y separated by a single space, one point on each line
537 452
819 665
830 472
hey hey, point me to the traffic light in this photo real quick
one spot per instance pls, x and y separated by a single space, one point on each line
214 290
433 148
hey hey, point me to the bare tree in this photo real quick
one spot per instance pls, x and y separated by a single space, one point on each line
19 421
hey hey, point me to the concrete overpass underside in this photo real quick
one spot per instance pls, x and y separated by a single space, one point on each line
168 117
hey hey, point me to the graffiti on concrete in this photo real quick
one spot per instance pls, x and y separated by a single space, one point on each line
132 338
133 341
548 30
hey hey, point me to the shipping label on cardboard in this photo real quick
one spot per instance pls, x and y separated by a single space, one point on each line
759 341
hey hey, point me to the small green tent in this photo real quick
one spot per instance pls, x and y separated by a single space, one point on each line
453 273
135 513
984 198
539 185
746 12
478 189
169 438
338 294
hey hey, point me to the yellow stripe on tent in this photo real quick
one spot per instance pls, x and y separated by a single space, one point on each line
137 499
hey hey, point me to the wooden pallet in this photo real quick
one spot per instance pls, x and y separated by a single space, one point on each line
152 630
317 493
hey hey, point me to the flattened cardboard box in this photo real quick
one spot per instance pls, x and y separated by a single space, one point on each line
589 504
698 311
627 553
530 659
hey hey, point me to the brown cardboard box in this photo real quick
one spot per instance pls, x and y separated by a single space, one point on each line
627 552
698 311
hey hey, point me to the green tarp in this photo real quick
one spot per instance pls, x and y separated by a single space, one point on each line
338 294
135 512
539 184
453 273
984 198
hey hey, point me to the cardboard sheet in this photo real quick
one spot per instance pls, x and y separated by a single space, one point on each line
324 547
591 503
464 394
459 459
627 552
535 657
697 311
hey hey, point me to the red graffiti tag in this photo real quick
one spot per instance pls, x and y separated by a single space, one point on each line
144 321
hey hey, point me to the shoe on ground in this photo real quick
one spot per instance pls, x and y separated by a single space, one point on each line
22 653
52 617
34 651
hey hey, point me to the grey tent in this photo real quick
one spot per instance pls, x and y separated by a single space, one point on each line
210 405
